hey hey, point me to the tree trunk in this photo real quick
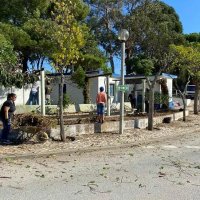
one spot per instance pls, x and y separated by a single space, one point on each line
86 91
25 63
151 109
196 96
184 105
183 100
112 64
151 99
62 132
128 64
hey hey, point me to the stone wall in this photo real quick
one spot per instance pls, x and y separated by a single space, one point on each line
112 126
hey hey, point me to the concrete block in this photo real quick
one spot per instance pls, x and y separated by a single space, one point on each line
73 130
127 106
70 109
159 120
87 107
112 126
106 127
26 108
115 107
130 124
141 123
179 115
83 129
50 109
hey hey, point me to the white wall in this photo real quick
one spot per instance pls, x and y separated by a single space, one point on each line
75 94
93 83
23 94
169 85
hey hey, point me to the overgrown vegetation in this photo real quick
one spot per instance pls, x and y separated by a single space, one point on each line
28 126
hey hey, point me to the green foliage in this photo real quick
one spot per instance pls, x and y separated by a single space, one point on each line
193 37
18 24
18 11
103 19
79 77
68 36
91 62
7 55
66 100
16 35
158 98
187 58
141 65
155 26
10 73
161 98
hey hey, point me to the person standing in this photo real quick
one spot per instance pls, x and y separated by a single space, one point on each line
101 102
132 99
34 94
7 110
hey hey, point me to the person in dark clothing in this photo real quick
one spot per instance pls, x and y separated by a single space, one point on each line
7 110
132 99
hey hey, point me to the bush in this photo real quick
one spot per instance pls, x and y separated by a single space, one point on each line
66 100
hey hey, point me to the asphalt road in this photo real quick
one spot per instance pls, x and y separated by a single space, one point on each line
165 170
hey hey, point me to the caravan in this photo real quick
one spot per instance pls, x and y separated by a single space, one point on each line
190 91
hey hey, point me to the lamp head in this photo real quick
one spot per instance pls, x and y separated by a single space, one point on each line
123 35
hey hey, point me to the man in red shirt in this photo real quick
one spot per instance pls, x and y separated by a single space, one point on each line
101 101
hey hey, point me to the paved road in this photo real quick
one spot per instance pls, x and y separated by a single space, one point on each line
165 170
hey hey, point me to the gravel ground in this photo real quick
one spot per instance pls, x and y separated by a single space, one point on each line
104 140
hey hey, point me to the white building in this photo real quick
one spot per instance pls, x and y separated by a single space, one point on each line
95 82
109 83
76 94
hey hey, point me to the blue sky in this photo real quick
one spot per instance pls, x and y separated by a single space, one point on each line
189 13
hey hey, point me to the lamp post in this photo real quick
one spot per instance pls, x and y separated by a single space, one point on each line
122 36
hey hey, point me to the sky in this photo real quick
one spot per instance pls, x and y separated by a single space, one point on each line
189 13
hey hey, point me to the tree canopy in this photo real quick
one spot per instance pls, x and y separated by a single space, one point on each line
154 27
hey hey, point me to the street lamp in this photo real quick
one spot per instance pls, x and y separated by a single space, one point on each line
122 36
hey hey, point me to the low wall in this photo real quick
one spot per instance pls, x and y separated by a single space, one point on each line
74 130
50 109
112 126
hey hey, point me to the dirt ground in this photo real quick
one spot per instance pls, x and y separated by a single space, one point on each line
104 140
